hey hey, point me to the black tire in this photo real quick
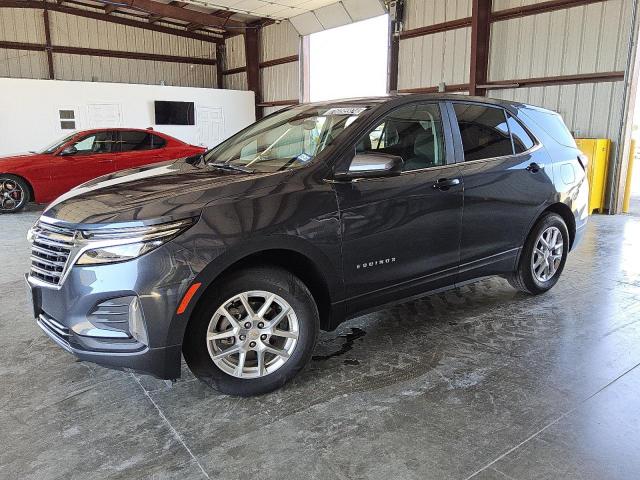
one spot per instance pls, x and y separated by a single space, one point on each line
270 279
13 204
523 278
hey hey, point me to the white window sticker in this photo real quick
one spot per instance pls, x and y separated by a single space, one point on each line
345 111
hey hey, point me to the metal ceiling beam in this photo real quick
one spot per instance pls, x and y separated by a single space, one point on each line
458 87
95 52
178 13
436 28
265 64
100 15
538 8
599 77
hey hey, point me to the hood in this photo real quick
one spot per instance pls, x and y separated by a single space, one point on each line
153 194
19 156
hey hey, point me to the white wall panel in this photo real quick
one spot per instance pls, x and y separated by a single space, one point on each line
428 60
278 41
34 110
588 109
420 13
280 82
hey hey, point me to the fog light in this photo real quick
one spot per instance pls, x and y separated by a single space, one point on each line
137 327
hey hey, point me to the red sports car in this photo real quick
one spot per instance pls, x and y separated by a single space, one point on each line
79 157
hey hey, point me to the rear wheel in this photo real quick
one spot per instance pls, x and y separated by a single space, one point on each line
14 193
254 332
543 257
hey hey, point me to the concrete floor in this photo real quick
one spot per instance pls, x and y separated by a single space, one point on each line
476 383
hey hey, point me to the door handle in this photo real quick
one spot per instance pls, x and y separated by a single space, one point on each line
534 167
446 183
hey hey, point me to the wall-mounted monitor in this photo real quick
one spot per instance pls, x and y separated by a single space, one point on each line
174 113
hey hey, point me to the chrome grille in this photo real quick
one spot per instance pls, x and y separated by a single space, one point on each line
50 250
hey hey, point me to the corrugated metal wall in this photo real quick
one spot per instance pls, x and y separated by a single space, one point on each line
279 82
234 58
442 57
26 25
587 39
22 25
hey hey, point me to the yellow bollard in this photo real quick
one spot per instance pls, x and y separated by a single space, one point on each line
597 150
627 185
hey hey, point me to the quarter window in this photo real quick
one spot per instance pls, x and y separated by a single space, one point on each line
412 132
157 142
484 131
521 139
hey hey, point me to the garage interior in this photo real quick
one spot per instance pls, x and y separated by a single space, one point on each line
480 382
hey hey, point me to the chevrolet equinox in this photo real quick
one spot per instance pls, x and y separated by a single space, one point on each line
236 258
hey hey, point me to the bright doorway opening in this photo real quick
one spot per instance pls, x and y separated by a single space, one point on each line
349 61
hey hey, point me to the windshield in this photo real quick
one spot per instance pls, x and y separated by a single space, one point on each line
287 140
57 144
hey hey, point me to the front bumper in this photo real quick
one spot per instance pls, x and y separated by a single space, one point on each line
74 316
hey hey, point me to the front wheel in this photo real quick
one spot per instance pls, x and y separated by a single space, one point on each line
14 193
543 256
254 332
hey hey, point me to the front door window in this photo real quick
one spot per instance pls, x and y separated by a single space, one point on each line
413 132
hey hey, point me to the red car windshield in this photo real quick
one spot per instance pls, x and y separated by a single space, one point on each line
58 143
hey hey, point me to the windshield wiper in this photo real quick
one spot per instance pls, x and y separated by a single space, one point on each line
227 166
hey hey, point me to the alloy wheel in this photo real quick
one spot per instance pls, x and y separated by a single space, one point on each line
252 334
547 254
11 194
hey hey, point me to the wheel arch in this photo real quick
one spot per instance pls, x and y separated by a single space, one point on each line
567 215
308 265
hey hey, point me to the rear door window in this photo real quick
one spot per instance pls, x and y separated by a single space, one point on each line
135 141
484 131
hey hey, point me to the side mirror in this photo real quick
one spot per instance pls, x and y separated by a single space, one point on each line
195 159
70 150
373 165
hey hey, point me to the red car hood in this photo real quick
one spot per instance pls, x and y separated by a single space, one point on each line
18 158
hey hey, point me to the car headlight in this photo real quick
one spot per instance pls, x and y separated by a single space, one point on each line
122 244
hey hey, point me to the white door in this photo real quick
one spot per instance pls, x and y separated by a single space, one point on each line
211 128
104 115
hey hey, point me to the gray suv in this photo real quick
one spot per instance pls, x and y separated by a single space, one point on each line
238 257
